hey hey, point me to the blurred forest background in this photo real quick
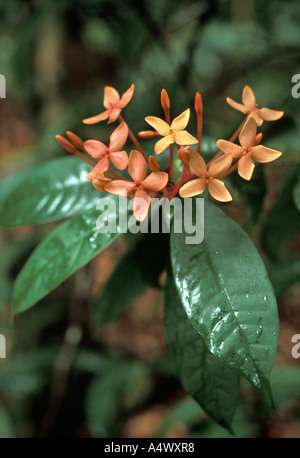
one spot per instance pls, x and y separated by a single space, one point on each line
60 380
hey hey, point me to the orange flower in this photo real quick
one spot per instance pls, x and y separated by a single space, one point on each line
185 154
250 108
154 164
208 177
113 104
99 182
141 185
249 151
109 153
173 133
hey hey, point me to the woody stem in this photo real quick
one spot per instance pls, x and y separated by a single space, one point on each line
134 139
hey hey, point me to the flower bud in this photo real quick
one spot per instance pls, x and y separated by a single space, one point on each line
153 164
65 144
75 139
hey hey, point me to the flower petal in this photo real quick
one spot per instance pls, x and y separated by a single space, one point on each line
237 106
229 147
263 154
248 97
220 165
163 144
120 187
248 133
100 182
155 181
182 137
94 119
118 137
246 167
95 148
255 115
99 168
141 204
181 121
114 114
198 166
218 191
270 115
137 167
193 188
159 125
126 97
119 159
111 96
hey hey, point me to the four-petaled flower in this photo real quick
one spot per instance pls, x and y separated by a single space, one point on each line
173 133
249 151
208 177
250 107
113 104
141 185
109 153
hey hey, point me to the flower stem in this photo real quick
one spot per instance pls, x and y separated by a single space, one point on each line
233 137
166 108
115 175
232 169
134 139
199 113
85 159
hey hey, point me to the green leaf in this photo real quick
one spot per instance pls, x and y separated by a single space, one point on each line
214 386
296 193
283 221
69 247
125 284
228 297
53 191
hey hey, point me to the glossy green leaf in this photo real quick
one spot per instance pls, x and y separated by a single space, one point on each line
228 297
69 247
214 385
125 284
283 221
53 191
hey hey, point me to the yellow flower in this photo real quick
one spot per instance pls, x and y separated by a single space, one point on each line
249 151
173 133
208 177
250 107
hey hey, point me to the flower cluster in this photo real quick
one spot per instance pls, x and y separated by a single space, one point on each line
196 174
